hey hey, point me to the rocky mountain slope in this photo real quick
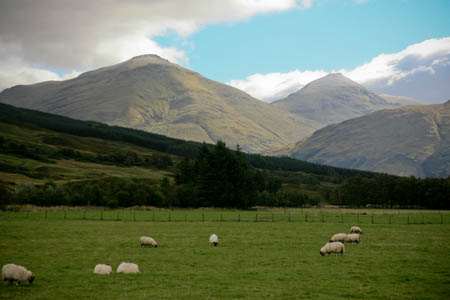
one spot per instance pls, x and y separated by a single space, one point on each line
335 98
152 94
411 140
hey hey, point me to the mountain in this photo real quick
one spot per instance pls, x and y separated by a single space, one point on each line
335 98
411 140
400 100
152 94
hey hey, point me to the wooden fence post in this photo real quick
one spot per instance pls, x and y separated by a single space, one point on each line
118 215
134 215
372 219
101 215
256 218
65 214
84 215
306 217
169 217
203 217
239 217
46 214
289 217
272 217
221 217
185 217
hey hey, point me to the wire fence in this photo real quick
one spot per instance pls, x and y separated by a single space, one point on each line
229 216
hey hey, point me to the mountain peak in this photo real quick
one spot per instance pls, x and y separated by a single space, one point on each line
147 59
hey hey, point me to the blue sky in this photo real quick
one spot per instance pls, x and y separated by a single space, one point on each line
267 48
330 35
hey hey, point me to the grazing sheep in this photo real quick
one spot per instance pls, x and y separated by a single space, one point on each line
338 237
333 247
355 229
102 269
148 241
213 240
12 272
127 267
352 238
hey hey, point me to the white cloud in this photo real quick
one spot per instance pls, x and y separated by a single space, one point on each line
395 73
80 35
273 86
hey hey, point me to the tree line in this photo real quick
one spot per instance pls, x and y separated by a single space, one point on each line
389 191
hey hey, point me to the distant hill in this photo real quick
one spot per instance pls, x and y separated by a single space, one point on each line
152 94
335 98
411 140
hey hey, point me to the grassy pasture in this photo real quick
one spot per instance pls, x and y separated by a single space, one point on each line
255 260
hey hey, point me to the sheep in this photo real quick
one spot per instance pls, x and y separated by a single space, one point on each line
355 229
333 247
126 267
352 237
148 241
213 240
102 269
12 272
338 237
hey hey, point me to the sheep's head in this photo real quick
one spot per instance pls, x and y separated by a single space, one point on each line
321 253
156 245
215 243
31 277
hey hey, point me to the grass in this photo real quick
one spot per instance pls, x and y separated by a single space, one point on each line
254 260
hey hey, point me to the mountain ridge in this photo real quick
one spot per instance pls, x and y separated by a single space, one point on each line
405 141
152 94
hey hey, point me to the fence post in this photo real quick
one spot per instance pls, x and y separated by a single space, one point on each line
442 220
372 219
28 213
46 214
306 217
185 217
84 215
390 219
423 219
134 215
239 217
272 217
169 217
256 218
118 215
322 217
203 217
101 215
221 217
408 219
342 218
65 213
289 217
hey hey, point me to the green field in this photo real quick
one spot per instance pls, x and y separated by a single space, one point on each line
254 260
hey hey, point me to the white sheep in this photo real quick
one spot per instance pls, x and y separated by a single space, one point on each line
355 229
102 269
126 267
213 240
333 247
148 241
338 237
352 238
12 272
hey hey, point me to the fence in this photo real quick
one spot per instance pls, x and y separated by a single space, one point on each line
230 216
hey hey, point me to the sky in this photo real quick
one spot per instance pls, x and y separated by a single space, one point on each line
268 48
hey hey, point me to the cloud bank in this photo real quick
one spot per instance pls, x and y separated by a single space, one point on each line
39 36
420 71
